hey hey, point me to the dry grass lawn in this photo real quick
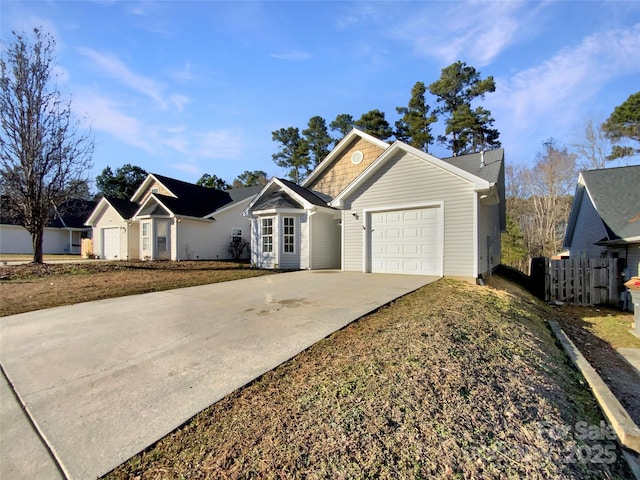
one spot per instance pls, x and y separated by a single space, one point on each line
451 381
28 287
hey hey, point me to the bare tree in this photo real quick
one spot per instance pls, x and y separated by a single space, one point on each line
551 184
594 149
43 157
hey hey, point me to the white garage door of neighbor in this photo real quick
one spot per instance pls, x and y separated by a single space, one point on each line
110 243
405 241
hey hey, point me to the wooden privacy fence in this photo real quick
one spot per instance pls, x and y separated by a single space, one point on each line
582 281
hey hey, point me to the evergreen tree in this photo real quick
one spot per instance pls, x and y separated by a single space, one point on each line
374 123
121 184
343 124
318 140
624 124
293 153
213 181
414 127
250 179
467 130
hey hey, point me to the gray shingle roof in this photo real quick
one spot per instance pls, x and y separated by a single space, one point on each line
471 163
616 196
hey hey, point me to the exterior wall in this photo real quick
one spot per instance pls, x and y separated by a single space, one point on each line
407 180
220 236
587 231
305 240
110 219
299 259
16 239
325 241
633 260
489 247
337 176
288 260
193 241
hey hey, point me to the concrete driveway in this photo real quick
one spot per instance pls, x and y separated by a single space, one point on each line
102 380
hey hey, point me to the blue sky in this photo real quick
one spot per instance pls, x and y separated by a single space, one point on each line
186 88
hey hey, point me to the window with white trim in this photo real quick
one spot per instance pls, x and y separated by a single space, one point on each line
288 234
236 235
267 235
146 236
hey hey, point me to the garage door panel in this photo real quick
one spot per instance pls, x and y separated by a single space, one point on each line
110 243
405 241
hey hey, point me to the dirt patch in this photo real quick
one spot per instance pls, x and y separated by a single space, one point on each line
29 287
451 381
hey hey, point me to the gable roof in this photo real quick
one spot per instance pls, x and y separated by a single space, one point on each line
485 165
291 196
615 194
124 208
71 214
187 199
338 149
478 182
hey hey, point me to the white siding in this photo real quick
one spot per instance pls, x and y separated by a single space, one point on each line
588 230
305 226
406 180
288 260
488 238
16 239
633 260
209 240
111 219
325 241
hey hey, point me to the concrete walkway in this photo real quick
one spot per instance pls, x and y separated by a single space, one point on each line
103 380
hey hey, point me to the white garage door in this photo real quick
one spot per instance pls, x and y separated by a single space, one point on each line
405 241
110 243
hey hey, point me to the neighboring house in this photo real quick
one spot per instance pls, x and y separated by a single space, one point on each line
374 207
605 216
62 235
168 219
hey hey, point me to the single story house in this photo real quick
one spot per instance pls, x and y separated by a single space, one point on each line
605 217
62 235
370 206
168 219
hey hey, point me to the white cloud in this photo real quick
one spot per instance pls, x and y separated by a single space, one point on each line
550 99
116 69
103 115
219 144
570 78
292 55
477 31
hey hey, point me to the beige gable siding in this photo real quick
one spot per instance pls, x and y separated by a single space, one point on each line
342 172
588 230
407 180
161 190
325 241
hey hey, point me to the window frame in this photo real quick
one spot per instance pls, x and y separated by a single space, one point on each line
289 237
236 235
146 236
266 235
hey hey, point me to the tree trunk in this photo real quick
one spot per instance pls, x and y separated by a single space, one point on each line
36 239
